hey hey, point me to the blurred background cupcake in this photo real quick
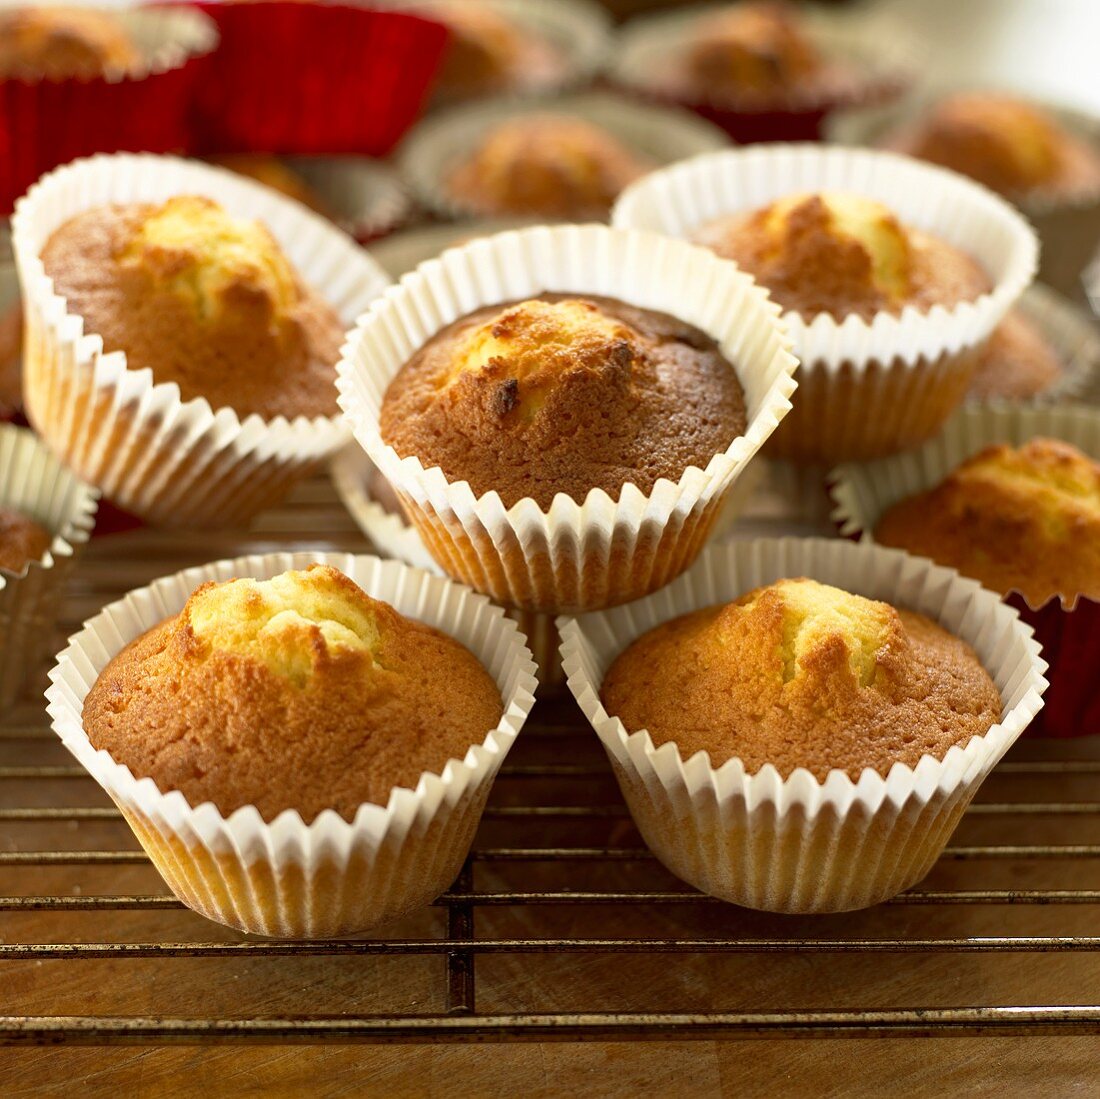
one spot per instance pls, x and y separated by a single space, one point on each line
80 80
1042 158
565 158
764 70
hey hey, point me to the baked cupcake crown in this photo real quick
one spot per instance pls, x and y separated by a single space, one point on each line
192 246
294 624
1024 519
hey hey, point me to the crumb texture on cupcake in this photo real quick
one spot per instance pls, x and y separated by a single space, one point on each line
1013 147
546 164
21 540
1018 362
840 253
299 692
1023 519
203 299
562 395
58 43
799 674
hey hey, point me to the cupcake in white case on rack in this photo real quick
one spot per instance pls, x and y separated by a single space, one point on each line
802 843
36 486
166 459
572 553
541 156
342 871
875 383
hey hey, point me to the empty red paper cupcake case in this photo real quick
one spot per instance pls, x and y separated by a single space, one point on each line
315 78
44 123
1071 645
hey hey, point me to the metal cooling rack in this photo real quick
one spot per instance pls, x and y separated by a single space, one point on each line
561 924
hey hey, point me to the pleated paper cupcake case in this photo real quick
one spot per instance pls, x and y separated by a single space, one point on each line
284 877
34 483
798 845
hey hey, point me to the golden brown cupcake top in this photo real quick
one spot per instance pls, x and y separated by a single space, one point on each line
21 540
58 43
564 394
1021 519
299 692
546 164
800 674
488 52
1018 362
1011 146
204 300
839 253
753 50
273 173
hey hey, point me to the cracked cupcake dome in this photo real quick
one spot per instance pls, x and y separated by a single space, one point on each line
58 43
205 300
1023 519
546 164
842 254
564 394
1017 362
803 675
300 692
753 49
1009 145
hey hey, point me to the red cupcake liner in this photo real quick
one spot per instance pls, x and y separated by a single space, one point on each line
1070 639
315 78
44 123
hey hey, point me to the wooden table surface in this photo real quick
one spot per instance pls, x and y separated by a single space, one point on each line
1028 803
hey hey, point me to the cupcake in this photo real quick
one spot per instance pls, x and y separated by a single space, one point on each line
545 164
891 275
514 47
824 769
389 732
11 334
1043 159
79 80
183 326
60 43
762 70
1011 497
568 449
46 515
562 158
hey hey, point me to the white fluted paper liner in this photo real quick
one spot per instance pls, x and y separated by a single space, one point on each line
34 483
437 146
573 556
288 878
1075 340
800 845
392 535
863 492
868 387
366 197
579 30
884 54
406 249
170 461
